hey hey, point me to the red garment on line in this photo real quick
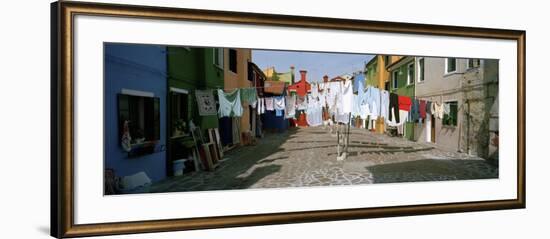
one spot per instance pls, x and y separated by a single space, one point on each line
422 109
405 103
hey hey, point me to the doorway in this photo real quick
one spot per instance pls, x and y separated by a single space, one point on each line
432 129
178 120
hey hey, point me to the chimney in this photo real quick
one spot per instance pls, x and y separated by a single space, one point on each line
303 75
292 75
325 78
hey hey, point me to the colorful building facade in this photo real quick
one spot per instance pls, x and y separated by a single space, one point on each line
135 102
469 87
236 76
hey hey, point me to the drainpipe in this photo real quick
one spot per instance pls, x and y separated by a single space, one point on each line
468 128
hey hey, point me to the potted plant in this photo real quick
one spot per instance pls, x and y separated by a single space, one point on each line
180 127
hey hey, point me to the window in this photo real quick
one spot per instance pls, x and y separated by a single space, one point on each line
421 70
386 61
143 116
218 57
450 118
233 60
410 74
473 63
450 65
395 74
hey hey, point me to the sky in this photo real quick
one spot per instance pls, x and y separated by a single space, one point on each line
316 64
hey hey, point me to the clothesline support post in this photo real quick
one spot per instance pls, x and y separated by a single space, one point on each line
348 133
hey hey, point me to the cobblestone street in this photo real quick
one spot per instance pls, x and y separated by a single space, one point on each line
307 157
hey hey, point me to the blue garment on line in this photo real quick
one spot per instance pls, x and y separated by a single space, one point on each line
372 95
358 83
278 113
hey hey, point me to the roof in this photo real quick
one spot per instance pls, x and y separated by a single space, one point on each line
256 68
399 62
374 59
337 78
274 87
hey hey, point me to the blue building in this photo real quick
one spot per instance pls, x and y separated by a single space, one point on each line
135 109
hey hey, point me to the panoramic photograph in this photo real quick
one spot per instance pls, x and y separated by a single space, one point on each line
188 118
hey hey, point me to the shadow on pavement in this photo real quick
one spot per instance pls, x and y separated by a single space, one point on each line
432 170
386 151
229 174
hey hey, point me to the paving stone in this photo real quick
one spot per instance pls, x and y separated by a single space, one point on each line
306 157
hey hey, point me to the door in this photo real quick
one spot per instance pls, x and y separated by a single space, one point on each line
432 125
177 118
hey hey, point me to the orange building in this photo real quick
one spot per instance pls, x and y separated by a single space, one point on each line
236 76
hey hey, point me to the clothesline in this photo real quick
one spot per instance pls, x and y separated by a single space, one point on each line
238 88
377 102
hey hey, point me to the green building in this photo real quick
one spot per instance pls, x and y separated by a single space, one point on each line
192 69
189 69
371 69
402 76
402 82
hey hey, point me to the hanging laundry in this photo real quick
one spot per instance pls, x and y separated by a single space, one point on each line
440 111
250 96
269 104
314 90
373 99
205 102
314 113
278 112
230 104
405 103
342 118
429 107
433 109
322 99
358 82
347 97
365 111
261 106
401 114
437 110
422 109
334 96
301 102
384 103
356 106
290 106
415 110
279 102
393 109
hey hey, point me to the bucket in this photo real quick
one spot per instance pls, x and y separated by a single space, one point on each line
178 166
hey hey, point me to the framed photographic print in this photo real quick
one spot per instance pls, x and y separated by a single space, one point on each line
170 119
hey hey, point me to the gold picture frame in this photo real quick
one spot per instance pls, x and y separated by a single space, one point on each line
62 128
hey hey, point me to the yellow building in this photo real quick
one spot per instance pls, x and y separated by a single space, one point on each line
378 76
236 76
377 73
287 77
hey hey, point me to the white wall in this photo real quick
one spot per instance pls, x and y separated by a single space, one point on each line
24 121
